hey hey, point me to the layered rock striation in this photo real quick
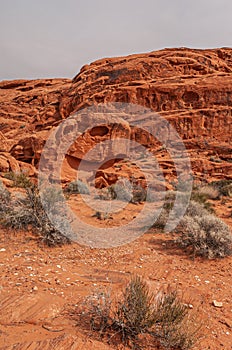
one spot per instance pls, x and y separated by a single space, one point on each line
190 88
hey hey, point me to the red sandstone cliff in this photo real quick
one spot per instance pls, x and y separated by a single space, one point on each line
191 88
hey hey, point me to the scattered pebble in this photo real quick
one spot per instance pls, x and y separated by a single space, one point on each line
217 303
2 250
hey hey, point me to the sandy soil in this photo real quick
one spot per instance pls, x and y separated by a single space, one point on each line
40 286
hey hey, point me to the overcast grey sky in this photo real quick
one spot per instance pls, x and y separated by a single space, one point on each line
54 38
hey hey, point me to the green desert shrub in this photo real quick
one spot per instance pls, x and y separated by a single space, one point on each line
135 313
175 328
202 199
163 317
20 179
223 186
168 205
76 187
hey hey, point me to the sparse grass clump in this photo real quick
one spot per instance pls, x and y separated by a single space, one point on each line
163 317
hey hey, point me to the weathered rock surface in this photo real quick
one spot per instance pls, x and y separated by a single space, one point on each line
191 88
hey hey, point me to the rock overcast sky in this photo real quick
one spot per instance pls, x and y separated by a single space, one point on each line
54 38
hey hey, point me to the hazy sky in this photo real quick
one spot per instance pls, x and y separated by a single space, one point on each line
54 38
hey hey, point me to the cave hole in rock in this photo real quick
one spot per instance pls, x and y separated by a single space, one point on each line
100 130
190 97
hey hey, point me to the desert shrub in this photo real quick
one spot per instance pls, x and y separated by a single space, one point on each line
205 235
96 311
196 209
174 327
138 194
162 219
168 205
26 211
19 179
4 198
102 215
162 317
127 191
76 187
52 197
104 193
223 186
18 218
53 236
209 192
135 313
121 191
202 198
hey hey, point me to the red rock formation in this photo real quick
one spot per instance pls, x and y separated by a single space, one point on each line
191 88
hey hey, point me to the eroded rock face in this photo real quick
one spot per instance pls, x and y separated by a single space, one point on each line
190 88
